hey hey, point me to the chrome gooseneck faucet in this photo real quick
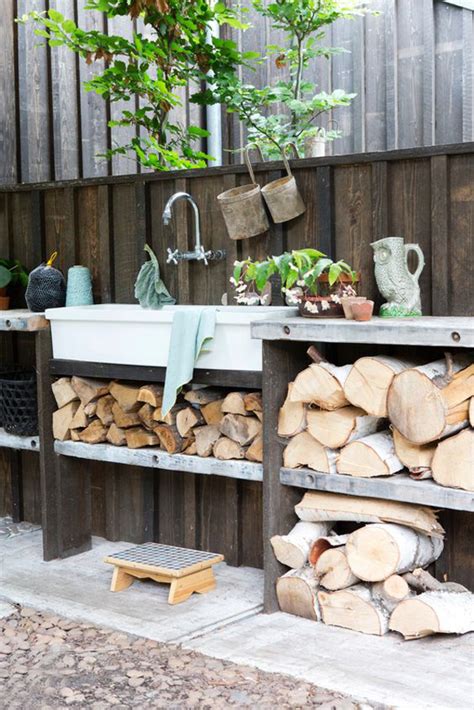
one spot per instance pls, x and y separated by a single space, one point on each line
198 254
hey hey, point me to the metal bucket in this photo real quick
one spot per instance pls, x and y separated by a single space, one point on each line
243 208
283 197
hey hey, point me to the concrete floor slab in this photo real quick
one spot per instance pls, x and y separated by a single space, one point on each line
429 673
78 588
6 609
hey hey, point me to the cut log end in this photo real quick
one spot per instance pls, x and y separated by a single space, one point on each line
350 610
414 619
296 593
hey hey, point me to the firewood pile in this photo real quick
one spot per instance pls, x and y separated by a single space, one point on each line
380 415
203 422
371 579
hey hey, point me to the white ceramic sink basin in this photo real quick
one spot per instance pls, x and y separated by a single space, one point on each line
127 334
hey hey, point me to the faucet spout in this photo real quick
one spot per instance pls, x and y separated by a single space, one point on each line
198 253
197 222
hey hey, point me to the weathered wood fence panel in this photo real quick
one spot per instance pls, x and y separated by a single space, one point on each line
426 195
411 67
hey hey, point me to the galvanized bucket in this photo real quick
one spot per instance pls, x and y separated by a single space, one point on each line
282 196
243 208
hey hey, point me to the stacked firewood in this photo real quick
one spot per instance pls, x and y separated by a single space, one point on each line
203 422
381 414
373 578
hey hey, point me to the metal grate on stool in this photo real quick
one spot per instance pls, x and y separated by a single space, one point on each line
186 570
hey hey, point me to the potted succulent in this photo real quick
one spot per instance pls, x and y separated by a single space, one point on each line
309 279
12 273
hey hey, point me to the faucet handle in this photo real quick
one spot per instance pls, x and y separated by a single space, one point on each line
202 255
172 257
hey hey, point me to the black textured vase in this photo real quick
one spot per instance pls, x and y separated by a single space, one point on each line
46 288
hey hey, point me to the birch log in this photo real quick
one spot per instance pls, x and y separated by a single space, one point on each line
421 580
293 549
292 416
369 380
371 456
377 551
416 457
453 461
440 612
297 593
356 609
304 450
325 543
317 506
332 569
339 427
471 411
429 402
321 384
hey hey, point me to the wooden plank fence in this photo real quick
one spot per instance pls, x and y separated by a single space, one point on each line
411 66
426 195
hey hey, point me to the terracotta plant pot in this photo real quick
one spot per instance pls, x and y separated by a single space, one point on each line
362 310
344 280
312 307
347 303
4 301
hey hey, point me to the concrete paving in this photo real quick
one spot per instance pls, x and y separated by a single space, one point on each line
430 673
78 588
427 674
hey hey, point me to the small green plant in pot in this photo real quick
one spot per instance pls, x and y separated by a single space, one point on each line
12 273
309 279
251 282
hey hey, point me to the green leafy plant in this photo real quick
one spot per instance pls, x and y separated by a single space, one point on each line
176 51
12 273
302 272
285 112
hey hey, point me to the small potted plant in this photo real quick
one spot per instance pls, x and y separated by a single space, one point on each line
309 279
12 273
316 283
251 281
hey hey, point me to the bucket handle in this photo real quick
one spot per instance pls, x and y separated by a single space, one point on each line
246 152
285 159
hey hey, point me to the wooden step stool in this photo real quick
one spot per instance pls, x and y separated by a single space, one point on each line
186 570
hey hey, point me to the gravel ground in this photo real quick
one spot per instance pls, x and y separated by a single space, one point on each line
49 662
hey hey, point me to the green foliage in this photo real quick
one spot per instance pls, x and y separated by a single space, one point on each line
300 268
12 272
304 23
175 51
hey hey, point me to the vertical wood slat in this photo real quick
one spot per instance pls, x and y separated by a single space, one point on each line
440 296
122 26
65 104
33 91
428 73
468 76
93 110
8 122
391 75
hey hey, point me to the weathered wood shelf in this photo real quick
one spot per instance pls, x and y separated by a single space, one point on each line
426 330
397 487
20 443
22 320
219 378
156 458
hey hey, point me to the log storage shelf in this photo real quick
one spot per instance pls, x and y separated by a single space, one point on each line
22 320
399 486
298 438
156 458
440 331
19 443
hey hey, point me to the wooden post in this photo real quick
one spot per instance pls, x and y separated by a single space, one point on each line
48 462
281 362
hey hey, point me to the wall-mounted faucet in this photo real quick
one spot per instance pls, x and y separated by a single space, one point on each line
199 254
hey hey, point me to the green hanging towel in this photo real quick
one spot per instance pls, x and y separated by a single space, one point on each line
150 291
